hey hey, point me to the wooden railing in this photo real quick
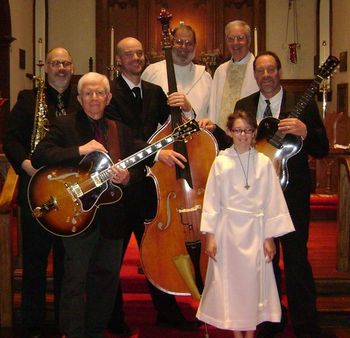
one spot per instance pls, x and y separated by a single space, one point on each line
7 196
343 236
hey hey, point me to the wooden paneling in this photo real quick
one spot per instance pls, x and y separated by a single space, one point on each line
5 43
343 238
138 18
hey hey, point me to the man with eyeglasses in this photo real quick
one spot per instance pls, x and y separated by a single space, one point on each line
193 81
93 257
37 242
300 286
233 79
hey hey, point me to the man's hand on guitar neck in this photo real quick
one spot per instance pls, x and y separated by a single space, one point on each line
119 176
293 126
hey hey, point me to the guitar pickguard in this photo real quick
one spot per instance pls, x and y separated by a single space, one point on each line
278 149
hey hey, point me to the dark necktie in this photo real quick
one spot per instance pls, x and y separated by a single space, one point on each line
60 110
99 134
138 99
267 111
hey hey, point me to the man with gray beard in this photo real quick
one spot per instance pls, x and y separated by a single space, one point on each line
193 81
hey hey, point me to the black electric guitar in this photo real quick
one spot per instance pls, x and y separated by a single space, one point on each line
280 147
64 199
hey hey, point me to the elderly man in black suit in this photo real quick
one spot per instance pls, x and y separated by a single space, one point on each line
92 258
144 114
36 242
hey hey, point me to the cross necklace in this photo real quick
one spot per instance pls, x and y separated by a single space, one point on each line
246 173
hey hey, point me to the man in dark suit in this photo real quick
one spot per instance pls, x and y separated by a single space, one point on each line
300 285
144 117
92 258
36 242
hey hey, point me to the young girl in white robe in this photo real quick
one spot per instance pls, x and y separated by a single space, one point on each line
243 209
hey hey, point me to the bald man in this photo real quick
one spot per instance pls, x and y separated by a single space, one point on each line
144 117
37 242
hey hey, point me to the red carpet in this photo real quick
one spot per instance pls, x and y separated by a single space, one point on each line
140 314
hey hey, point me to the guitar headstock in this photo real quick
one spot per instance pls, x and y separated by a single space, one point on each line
181 132
164 18
327 68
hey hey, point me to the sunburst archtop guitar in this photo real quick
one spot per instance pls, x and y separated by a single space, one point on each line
64 199
280 147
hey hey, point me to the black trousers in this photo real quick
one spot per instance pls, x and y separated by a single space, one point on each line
300 285
36 246
90 282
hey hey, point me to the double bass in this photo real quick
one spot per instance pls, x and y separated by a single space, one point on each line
172 249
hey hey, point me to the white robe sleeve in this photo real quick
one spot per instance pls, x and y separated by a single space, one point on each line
211 202
217 88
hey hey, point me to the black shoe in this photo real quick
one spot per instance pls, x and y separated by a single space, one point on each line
122 329
183 324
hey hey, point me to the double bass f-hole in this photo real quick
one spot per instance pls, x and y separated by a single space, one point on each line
161 225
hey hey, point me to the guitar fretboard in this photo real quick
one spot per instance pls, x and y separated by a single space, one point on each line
306 98
139 156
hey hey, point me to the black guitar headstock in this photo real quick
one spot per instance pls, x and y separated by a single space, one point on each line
164 18
327 68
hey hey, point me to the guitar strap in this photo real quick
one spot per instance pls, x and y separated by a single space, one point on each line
113 141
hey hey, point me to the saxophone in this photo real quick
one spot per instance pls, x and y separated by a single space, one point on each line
41 123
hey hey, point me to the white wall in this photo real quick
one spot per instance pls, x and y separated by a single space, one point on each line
72 25
276 27
22 30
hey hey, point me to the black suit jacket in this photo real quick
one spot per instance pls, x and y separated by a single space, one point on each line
316 144
61 146
19 128
155 110
154 107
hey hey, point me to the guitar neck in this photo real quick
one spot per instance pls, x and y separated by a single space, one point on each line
306 98
136 158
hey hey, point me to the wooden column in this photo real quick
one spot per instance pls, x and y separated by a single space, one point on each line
343 236
6 197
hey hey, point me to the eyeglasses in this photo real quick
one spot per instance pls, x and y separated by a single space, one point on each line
180 43
239 38
57 63
97 93
269 70
240 131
